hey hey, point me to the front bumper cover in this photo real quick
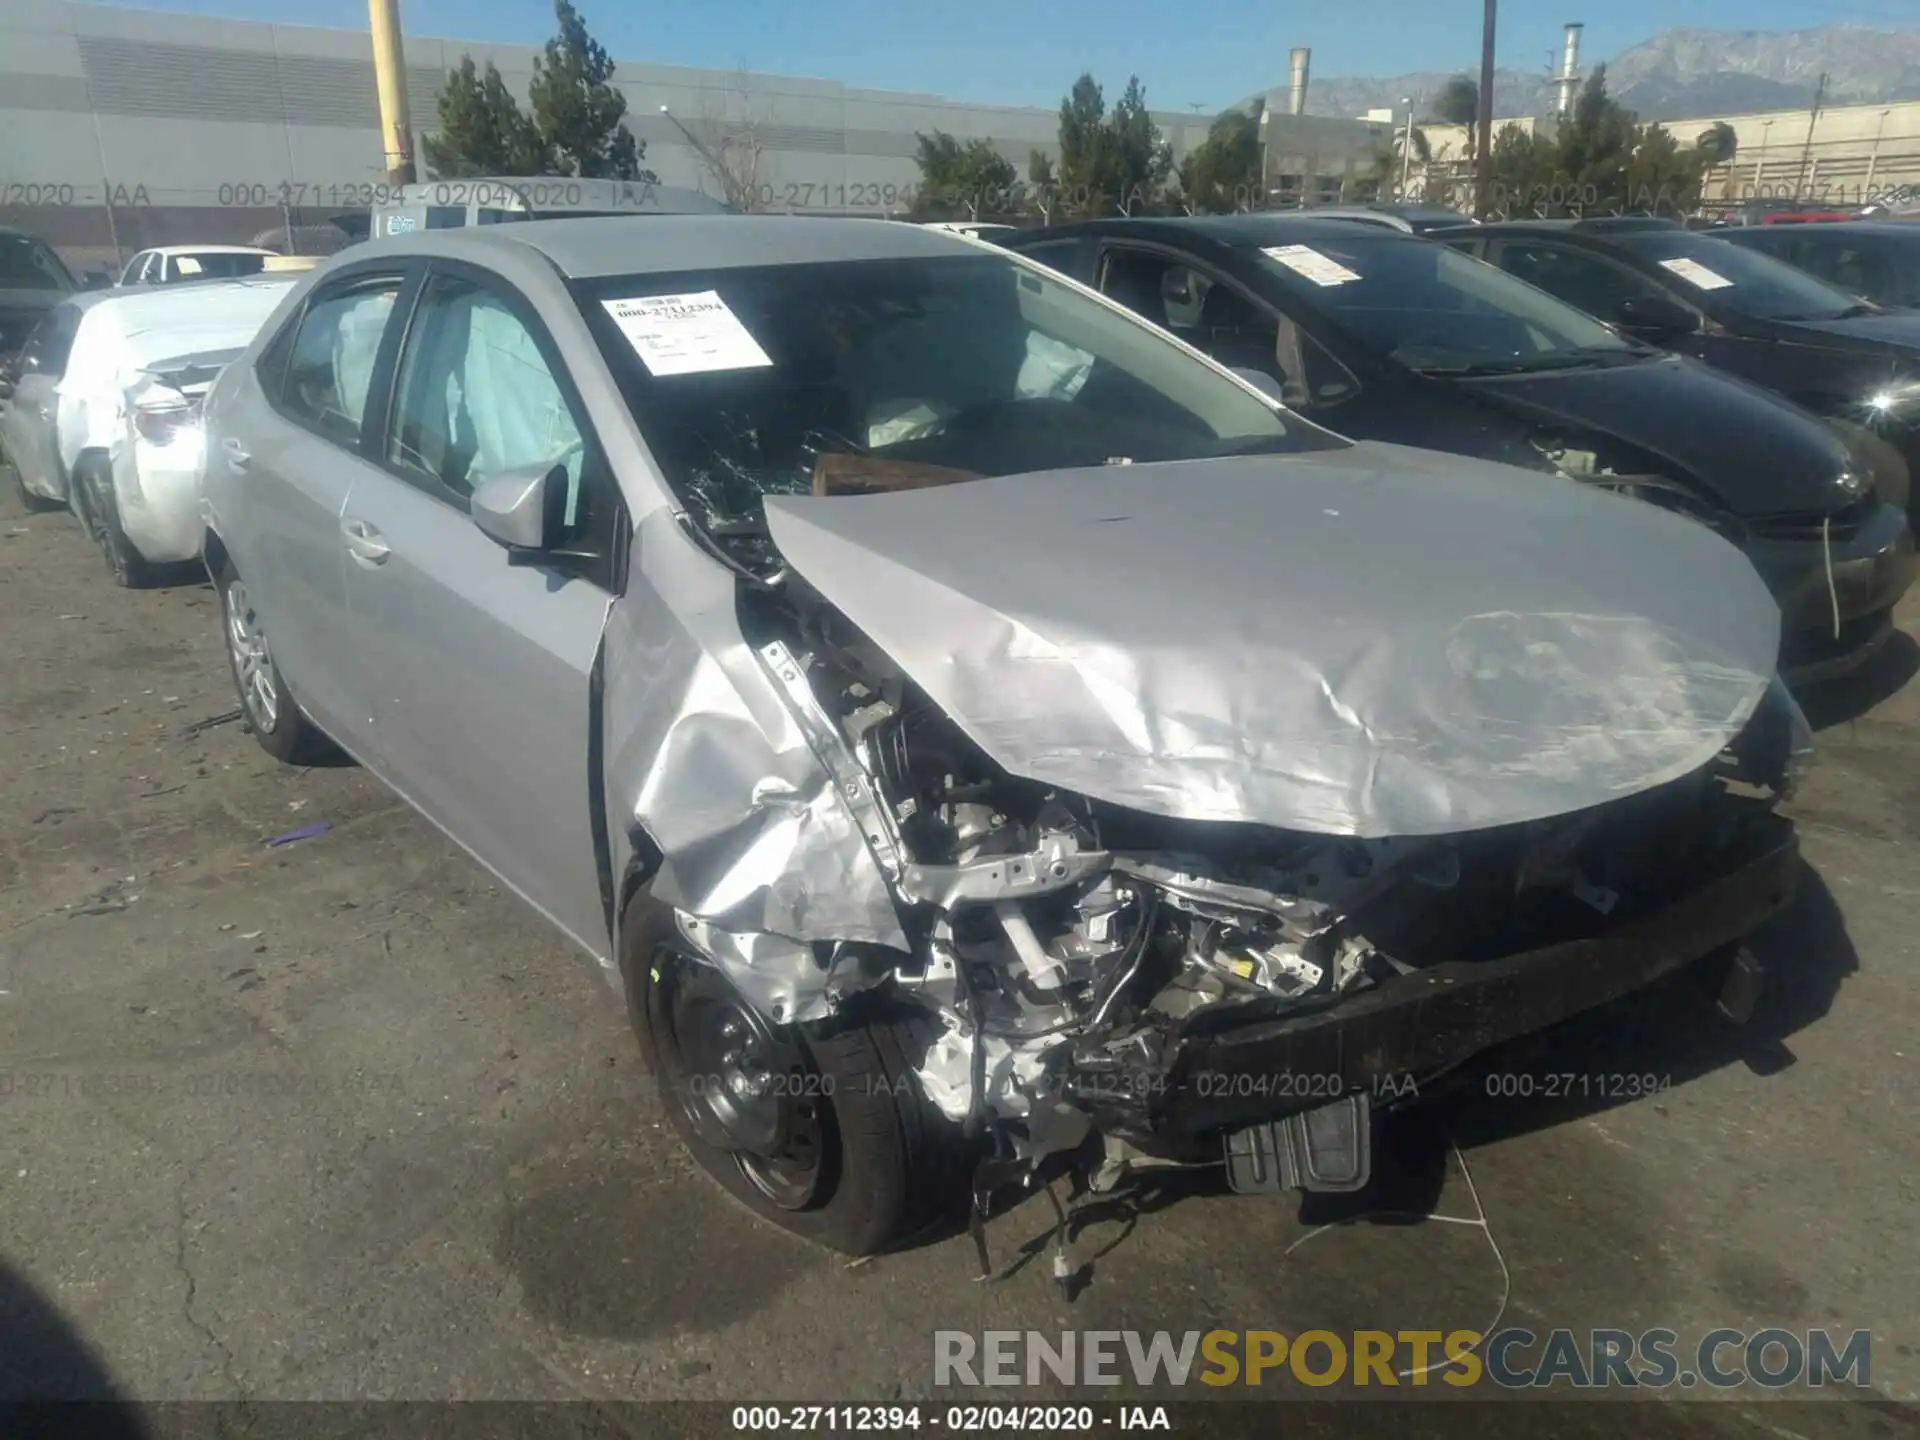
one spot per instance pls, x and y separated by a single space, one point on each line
1418 1025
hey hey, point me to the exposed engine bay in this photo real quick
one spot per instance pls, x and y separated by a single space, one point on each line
1066 944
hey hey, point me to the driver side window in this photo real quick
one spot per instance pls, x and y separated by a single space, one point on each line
476 397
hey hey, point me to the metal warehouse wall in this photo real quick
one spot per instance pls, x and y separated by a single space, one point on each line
203 129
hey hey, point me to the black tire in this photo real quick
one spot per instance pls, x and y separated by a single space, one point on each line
99 512
889 1166
273 715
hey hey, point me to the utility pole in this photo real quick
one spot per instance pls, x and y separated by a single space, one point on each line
390 73
1406 149
1813 118
1483 158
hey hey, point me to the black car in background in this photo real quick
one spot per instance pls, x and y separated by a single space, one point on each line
1844 358
1878 260
32 281
1380 335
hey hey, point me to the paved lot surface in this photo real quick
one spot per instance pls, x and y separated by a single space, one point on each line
341 1120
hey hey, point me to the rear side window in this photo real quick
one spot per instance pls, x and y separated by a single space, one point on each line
330 367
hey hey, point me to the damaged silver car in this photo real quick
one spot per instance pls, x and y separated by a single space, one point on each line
984 737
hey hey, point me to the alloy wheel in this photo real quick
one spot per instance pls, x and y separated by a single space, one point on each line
252 661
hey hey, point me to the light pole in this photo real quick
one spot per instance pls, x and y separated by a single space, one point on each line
1406 147
1483 167
390 84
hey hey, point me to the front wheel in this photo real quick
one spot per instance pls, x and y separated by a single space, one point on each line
99 512
820 1129
277 722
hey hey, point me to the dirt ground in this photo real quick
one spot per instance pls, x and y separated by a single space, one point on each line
341 1120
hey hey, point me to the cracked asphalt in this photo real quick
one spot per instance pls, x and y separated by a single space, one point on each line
340 1120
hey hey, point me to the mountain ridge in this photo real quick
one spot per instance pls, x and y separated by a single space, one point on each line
1683 73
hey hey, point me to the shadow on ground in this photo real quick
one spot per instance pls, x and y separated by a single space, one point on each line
45 1359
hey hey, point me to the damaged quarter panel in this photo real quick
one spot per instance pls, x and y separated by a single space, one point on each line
1370 642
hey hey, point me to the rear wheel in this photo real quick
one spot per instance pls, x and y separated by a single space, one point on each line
99 512
820 1129
278 724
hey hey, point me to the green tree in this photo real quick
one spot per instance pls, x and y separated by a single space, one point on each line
581 117
1595 148
1221 174
1043 186
1524 168
959 180
483 131
1139 157
1662 178
1086 170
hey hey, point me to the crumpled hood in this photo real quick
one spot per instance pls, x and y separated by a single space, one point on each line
1754 454
1370 641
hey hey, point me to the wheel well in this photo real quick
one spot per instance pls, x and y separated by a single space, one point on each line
641 869
212 552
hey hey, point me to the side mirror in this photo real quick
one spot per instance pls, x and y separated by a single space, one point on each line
1656 317
1261 381
522 509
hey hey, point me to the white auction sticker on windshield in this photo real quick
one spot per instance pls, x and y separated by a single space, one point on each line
1696 274
686 334
1307 261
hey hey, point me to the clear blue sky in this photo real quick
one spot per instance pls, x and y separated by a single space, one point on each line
1027 52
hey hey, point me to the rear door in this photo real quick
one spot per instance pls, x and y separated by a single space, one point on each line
480 664
294 437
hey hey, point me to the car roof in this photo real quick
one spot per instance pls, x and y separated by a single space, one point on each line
1239 231
1905 229
206 250
592 247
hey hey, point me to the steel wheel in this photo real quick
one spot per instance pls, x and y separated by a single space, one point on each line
252 661
745 1089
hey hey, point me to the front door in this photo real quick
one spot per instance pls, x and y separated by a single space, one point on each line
480 670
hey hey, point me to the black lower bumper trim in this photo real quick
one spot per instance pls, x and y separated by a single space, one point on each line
1417 1025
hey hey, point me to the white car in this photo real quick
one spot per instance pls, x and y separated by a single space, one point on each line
127 414
178 264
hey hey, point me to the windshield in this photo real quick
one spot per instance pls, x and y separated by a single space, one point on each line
1433 309
1742 281
27 264
217 266
857 376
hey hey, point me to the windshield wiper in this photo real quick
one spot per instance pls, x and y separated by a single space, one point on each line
1440 363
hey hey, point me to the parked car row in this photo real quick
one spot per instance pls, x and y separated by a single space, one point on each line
1384 336
990 720
100 412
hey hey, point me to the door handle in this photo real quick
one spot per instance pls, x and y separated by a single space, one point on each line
364 542
237 457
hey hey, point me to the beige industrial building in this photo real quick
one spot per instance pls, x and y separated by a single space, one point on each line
1846 155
